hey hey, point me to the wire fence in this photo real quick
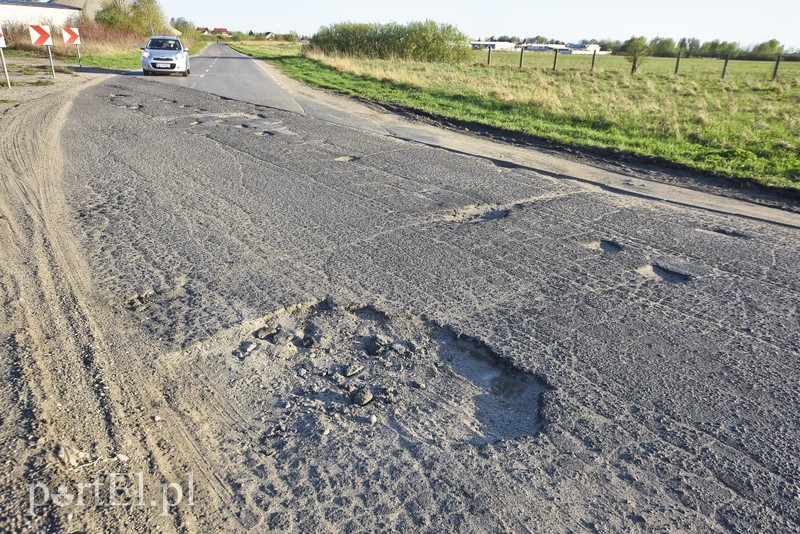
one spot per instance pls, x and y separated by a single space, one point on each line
680 66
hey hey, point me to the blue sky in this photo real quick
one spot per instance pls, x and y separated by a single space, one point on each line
747 22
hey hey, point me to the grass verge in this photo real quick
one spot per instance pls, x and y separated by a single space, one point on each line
745 126
197 47
114 61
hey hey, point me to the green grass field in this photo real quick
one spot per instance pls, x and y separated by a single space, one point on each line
745 126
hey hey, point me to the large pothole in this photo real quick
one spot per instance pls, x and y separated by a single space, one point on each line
357 368
504 399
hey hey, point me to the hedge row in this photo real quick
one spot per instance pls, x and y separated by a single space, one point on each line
419 41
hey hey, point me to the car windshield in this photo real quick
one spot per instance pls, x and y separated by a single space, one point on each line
164 44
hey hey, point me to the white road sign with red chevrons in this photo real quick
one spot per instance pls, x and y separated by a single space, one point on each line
40 35
2 39
71 36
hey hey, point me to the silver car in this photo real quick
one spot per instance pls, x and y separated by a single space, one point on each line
165 54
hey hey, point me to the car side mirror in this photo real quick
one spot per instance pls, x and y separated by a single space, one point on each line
141 48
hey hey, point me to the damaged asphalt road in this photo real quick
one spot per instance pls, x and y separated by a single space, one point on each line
338 330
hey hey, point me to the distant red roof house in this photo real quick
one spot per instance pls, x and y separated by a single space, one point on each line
203 31
220 31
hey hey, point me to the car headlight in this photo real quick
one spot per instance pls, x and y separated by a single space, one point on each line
179 55
145 55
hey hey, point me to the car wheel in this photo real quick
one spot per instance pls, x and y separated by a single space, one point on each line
185 73
144 72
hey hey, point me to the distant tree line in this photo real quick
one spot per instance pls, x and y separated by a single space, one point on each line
693 47
291 37
539 39
668 47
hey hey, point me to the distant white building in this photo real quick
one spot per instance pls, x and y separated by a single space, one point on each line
19 12
545 47
90 7
573 48
578 49
492 45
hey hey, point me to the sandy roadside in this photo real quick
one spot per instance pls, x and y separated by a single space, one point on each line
58 341
31 78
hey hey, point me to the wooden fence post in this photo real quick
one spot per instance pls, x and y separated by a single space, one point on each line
594 59
678 63
725 67
775 72
555 59
521 55
489 61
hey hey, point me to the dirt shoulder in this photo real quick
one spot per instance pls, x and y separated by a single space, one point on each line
32 78
66 419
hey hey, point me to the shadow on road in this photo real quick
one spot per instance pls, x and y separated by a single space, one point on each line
98 70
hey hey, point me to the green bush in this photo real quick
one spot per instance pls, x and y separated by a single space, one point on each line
418 41
145 17
187 28
115 13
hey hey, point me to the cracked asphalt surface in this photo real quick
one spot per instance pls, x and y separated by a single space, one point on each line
539 353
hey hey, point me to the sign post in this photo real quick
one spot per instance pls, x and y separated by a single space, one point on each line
41 36
72 36
3 57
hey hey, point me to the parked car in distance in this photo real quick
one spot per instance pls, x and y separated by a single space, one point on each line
165 54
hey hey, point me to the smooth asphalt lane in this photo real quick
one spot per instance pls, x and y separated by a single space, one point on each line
224 72
221 71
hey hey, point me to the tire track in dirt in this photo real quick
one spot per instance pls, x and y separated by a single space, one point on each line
82 388
50 343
